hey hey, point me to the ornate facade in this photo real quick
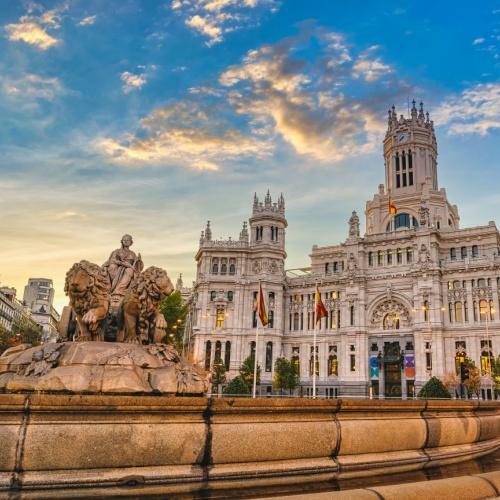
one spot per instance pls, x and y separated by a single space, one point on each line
409 299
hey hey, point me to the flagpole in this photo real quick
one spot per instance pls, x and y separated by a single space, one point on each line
314 356
255 360
256 344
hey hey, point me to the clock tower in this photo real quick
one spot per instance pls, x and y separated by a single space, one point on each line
410 152
410 197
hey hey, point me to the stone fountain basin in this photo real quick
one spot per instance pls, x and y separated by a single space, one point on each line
99 367
186 443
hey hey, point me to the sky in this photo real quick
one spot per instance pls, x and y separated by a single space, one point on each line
152 117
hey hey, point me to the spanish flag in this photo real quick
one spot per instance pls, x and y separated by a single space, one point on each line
261 307
321 311
392 208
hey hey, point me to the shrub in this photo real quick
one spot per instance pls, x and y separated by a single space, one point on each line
434 389
237 386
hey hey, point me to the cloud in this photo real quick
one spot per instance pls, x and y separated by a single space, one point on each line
135 81
478 41
33 29
183 134
132 82
31 87
370 68
215 18
87 21
289 95
303 101
475 111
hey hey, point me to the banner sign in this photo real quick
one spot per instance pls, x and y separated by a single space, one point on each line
410 366
374 372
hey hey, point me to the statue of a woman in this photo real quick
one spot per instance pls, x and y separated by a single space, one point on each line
122 265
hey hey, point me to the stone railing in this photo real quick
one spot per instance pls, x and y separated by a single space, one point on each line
183 444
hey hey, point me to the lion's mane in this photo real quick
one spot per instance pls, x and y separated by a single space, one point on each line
145 288
96 293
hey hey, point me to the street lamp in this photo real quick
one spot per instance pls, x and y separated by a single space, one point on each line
489 353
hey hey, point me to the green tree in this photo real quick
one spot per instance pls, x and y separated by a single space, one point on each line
237 386
175 313
218 372
285 376
22 332
247 368
434 389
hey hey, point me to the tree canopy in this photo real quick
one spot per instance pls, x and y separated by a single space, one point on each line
285 376
175 313
434 389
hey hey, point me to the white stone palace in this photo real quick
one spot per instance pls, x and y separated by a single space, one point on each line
408 300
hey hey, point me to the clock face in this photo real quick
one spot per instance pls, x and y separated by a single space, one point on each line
401 138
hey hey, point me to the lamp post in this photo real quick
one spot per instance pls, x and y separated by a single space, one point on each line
491 311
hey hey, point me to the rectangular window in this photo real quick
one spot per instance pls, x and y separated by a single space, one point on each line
410 178
404 179
219 319
409 256
380 258
399 256
389 256
428 361
398 181
353 362
463 252
370 258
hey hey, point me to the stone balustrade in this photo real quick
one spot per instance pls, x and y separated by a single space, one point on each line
183 443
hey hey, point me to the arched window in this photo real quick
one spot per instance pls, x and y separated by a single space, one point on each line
458 312
370 258
486 356
453 253
259 232
252 348
230 296
389 257
475 251
269 356
463 252
391 321
270 317
474 310
215 265
296 363
232 266
296 321
227 355
327 268
218 351
456 285
403 220
223 265
466 312
492 311
399 256
352 315
380 258
333 366
426 310
483 310
219 317
311 361
450 312
213 294
410 168
208 354
409 255
398 177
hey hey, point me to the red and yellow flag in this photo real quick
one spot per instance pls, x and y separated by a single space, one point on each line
321 311
392 208
261 307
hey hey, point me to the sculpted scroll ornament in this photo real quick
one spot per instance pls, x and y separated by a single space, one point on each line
388 313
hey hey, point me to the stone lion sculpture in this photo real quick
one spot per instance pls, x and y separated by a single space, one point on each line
88 288
141 316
